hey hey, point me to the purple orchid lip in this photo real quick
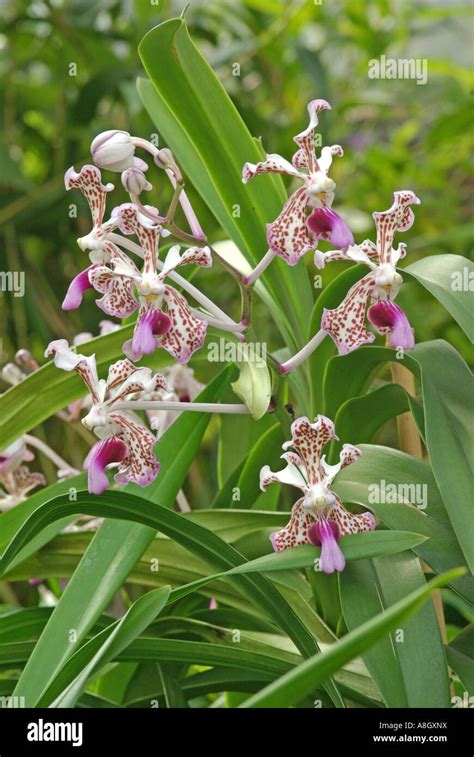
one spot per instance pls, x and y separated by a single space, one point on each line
102 454
151 324
77 287
327 221
326 534
388 317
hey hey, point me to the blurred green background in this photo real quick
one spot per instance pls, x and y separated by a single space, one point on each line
68 72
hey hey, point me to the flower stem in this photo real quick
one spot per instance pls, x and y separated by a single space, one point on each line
48 452
218 323
183 198
194 407
305 352
259 269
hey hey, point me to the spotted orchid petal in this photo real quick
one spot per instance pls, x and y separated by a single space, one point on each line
288 236
117 288
327 155
125 379
305 156
295 533
326 534
365 253
89 182
326 224
192 256
64 358
101 455
308 440
131 221
351 523
186 333
273 163
77 287
348 455
26 480
291 475
140 465
389 318
346 323
399 217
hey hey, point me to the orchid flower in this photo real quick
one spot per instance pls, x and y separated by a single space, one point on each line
293 233
165 318
346 324
319 517
123 437
16 480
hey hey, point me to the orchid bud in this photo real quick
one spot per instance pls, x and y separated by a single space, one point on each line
113 150
165 159
25 359
11 374
135 181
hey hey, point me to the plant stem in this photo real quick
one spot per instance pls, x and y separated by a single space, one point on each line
194 407
408 435
50 453
305 352
259 269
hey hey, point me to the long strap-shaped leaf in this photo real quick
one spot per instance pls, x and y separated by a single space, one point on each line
297 683
196 538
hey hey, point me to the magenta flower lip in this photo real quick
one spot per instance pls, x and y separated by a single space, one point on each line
389 318
150 325
325 221
100 455
77 287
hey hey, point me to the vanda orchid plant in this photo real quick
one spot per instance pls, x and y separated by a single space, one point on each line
141 417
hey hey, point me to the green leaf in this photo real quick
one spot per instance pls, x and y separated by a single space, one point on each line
301 681
330 297
460 653
380 470
448 392
355 547
197 539
68 684
449 278
410 670
267 448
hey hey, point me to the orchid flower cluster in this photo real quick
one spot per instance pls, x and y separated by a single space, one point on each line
131 277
